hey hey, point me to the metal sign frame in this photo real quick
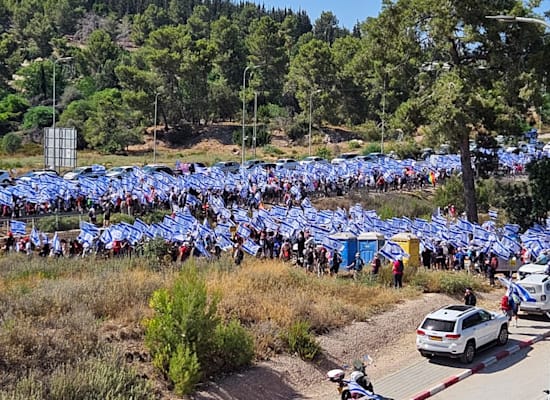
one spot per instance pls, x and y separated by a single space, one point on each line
59 148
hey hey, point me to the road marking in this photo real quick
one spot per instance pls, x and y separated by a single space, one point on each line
475 369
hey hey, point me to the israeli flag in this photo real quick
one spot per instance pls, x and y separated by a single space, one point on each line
243 231
517 289
106 237
35 237
392 251
250 247
493 214
18 227
56 243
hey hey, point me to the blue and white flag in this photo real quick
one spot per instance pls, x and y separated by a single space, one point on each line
250 247
493 214
56 244
18 227
243 231
392 251
517 289
35 237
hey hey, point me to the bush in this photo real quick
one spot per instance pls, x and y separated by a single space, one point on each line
456 283
37 117
53 223
263 136
120 217
186 337
270 149
301 341
298 130
324 152
11 143
177 136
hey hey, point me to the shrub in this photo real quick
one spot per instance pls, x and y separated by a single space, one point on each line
98 379
37 117
301 341
11 143
456 283
298 130
354 145
184 369
234 345
324 152
270 149
53 223
263 136
177 136
120 217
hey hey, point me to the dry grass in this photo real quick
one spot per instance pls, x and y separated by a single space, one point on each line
269 297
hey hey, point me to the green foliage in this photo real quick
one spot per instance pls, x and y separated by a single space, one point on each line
184 369
179 135
301 341
298 130
186 337
53 223
324 152
156 249
263 136
455 284
406 149
452 192
518 203
121 217
539 182
11 143
354 145
12 108
37 117
272 150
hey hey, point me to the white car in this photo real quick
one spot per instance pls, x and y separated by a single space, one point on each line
343 157
287 163
538 286
313 160
546 148
458 331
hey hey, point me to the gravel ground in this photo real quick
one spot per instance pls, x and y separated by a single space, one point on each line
388 338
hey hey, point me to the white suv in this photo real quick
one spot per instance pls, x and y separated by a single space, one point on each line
458 331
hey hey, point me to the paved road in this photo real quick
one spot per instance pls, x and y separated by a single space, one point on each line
425 374
522 375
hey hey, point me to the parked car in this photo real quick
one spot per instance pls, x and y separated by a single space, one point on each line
90 171
313 160
150 168
343 157
37 173
538 286
458 331
231 167
249 164
119 172
537 267
267 165
287 163
5 178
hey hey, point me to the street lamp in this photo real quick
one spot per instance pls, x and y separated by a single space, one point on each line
55 146
511 18
244 107
155 129
310 115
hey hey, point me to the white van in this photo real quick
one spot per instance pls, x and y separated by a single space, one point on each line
538 286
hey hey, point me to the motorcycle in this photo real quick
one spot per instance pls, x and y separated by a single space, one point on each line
358 386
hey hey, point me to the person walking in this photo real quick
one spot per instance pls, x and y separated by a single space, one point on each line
469 297
356 266
375 265
397 271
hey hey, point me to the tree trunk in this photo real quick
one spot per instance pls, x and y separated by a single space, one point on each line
470 202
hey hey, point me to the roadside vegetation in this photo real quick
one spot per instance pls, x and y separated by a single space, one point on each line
70 327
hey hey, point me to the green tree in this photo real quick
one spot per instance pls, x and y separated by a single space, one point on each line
99 58
37 80
111 125
12 109
266 47
539 182
37 117
326 28
11 143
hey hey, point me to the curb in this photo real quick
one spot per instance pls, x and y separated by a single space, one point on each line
478 367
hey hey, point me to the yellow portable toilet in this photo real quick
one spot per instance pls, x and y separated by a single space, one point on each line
411 244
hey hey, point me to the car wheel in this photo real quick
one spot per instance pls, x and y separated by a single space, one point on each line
469 353
502 336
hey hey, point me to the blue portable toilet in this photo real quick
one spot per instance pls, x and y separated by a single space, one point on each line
368 243
349 242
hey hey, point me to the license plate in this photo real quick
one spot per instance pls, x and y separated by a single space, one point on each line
436 338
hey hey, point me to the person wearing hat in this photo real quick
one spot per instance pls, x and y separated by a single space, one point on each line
469 297
356 266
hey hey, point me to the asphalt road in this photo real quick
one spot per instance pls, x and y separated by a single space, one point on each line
523 375
425 374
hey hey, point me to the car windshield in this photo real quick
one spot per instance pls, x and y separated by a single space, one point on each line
438 325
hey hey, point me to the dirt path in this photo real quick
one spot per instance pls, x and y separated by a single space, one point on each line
388 338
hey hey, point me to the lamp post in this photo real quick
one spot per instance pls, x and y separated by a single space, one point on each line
155 129
310 116
55 146
244 108
511 19
255 130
